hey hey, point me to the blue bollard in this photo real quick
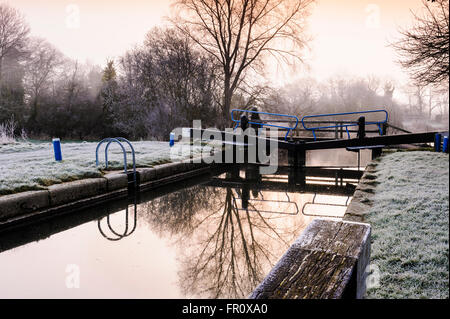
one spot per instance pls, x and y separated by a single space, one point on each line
445 145
57 149
172 139
437 142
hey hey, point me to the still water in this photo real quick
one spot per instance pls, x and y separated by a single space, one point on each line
213 237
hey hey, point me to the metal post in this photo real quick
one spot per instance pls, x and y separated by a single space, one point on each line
376 152
245 196
254 118
234 172
297 161
57 149
252 173
172 139
244 122
445 145
244 126
359 159
437 142
361 127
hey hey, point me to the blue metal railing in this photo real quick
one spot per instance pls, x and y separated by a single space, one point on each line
118 140
345 124
288 128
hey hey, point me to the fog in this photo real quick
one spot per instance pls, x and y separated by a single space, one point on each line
94 69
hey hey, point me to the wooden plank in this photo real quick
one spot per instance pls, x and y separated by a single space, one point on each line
327 261
297 277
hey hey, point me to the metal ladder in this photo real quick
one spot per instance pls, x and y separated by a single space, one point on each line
119 141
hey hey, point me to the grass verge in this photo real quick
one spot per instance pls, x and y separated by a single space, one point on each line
410 226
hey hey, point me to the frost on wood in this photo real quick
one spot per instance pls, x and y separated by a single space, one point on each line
31 166
410 226
324 262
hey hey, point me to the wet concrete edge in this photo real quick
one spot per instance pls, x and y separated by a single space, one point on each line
81 193
363 197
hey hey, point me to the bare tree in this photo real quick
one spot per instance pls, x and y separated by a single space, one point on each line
13 32
238 34
297 98
166 80
424 47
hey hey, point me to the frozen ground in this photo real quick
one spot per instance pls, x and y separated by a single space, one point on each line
410 226
30 166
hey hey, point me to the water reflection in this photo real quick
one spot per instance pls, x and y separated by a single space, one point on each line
219 238
320 206
288 207
223 249
229 235
118 235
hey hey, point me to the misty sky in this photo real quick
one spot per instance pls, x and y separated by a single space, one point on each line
349 36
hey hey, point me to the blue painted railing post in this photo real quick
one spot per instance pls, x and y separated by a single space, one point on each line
172 139
437 142
445 145
57 149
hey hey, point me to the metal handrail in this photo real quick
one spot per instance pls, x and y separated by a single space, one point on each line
345 124
118 141
132 153
288 128
109 139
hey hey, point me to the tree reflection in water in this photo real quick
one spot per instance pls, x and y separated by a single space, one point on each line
224 250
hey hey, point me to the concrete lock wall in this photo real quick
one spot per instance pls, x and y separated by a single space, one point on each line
58 195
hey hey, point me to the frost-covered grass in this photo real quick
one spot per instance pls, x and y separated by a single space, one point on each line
7 132
31 166
410 226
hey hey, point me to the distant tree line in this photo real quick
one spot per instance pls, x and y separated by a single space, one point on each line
341 94
153 88
177 75
42 90
165 83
